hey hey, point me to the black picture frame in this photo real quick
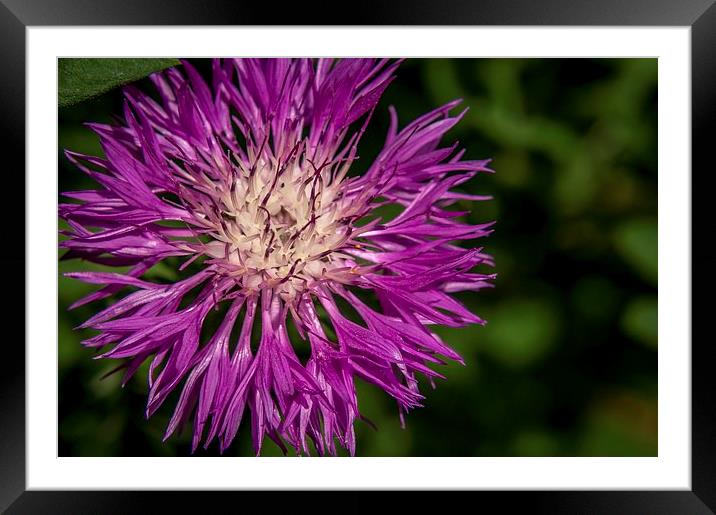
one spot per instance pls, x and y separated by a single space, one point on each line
16 15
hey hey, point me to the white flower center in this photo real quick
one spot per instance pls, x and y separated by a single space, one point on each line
281 227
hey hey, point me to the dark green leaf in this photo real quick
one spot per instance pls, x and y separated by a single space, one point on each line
80 79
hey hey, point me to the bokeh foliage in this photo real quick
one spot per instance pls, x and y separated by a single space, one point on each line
567 365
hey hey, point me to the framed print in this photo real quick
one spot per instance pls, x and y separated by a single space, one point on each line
425 249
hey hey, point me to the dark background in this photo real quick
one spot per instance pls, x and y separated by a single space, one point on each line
567 362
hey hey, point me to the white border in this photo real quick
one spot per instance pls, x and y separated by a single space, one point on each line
670 470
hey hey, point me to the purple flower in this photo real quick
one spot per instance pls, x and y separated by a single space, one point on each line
247 180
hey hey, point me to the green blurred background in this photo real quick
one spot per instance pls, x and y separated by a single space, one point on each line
567 365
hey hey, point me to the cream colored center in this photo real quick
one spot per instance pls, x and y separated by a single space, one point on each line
281 227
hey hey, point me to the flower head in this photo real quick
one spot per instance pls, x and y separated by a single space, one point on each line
247 179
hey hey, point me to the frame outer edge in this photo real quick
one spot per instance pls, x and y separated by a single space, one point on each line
12 376
12 124
703 98
366 12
